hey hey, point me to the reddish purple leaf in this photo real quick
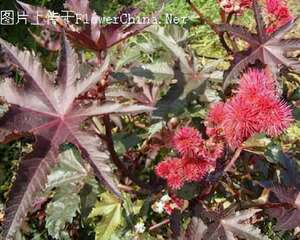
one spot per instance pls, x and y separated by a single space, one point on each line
38 15
46 107
287 218
78 6
269 49
92 35
225 224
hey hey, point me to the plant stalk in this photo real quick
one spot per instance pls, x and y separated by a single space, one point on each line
233 159
155 226
114 156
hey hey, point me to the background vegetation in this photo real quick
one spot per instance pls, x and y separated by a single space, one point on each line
42 224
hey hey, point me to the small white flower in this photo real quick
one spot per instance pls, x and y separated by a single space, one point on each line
158 207
165 198
140 227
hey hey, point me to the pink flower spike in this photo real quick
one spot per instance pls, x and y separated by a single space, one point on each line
216 114
163 169
194 171
255 82
241 120
255 109
197 158
187 141
280 116
175 181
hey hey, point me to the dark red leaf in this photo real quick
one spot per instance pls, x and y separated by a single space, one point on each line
287 218
268 49
92 35
46 107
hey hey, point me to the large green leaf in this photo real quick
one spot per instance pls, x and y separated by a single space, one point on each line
65 178
69 170
61 210
110 208
170 43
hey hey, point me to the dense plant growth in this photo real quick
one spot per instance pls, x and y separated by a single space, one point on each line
153 131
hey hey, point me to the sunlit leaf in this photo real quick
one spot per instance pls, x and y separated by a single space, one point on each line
110 209
52 114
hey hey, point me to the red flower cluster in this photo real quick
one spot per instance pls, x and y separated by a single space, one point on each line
256 108
197 158
277 14
276 11
234 6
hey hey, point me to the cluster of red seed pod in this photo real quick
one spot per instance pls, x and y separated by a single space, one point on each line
197 158
256 108
276 11
277 14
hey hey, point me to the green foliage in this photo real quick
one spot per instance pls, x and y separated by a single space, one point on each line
293 132
10 155
67 179
189 191
154 128
69 170
178 62
273 153
61 210
267 228
110 210
124 141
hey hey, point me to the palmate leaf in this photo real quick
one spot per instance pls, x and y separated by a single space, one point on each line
231 225
171 44
92 35
288 218
69 170
49 112
271 50
110 209
61 210
188 73
66 178
223 225
150 81
195 230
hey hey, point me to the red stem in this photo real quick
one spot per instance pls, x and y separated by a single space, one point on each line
167 221
233 159
114 156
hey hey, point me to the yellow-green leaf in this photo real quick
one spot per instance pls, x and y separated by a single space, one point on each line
110 209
